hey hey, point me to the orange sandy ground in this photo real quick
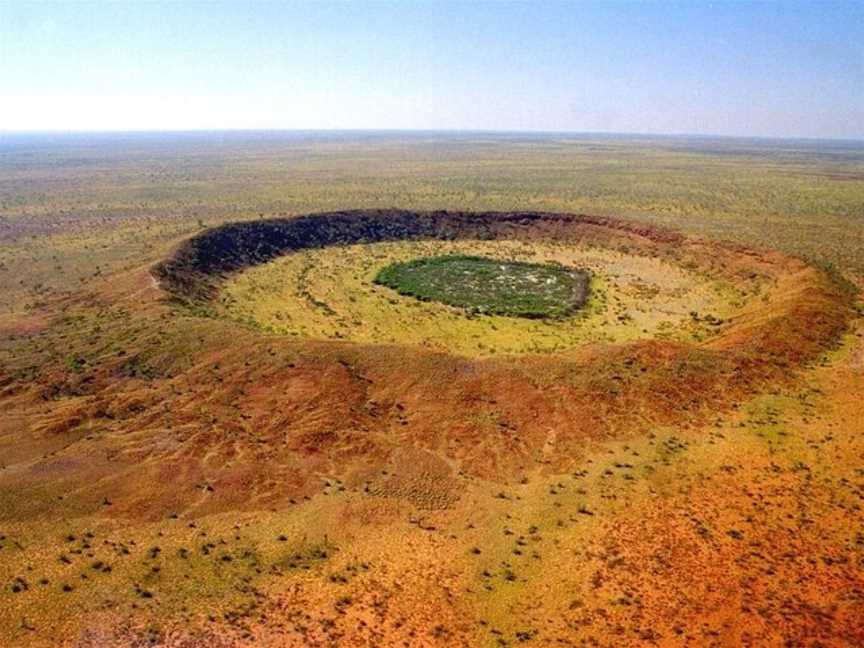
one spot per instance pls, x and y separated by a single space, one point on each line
643 495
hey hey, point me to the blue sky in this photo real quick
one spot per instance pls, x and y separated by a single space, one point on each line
758 69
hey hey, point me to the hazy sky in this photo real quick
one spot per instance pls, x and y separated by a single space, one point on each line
768 69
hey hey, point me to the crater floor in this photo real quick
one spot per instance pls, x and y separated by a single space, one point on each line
331 293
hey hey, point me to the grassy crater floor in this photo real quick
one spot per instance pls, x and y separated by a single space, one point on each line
490 286
331 294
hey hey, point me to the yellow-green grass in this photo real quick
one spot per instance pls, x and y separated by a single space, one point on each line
330 294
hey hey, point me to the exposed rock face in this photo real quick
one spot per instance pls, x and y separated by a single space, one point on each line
194 272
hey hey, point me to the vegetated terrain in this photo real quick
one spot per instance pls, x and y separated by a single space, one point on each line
331 294
484 285
229 435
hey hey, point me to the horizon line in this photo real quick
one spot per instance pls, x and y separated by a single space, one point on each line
452 131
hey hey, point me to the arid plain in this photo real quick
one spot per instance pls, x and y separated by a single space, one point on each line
216 429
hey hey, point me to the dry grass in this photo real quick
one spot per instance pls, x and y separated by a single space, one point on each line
675 492
329 294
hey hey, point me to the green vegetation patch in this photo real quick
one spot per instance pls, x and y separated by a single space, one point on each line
490 286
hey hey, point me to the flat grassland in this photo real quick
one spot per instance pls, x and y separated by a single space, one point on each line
270 472
332 294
